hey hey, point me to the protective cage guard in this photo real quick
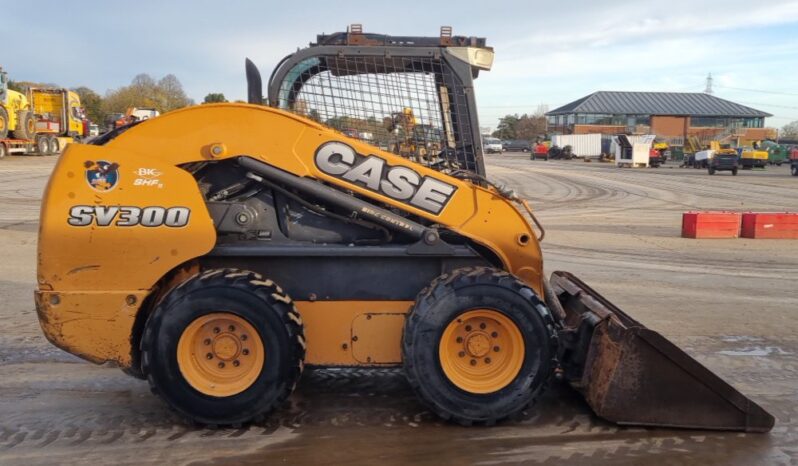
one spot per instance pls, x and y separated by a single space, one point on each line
411 97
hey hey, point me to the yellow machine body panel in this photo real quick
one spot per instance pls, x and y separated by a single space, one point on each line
754 154
351 333
105 239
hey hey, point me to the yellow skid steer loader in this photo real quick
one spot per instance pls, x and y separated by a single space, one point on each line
219 249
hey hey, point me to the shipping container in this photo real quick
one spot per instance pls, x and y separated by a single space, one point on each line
582 145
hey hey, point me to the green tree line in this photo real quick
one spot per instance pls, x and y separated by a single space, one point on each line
527 126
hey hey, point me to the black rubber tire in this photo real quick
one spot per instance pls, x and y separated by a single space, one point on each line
42 145
26 126
55 145
3 123
794 170
734 171
3 150
711 170
447 297
248 295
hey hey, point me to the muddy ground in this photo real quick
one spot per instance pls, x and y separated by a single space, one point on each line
732 304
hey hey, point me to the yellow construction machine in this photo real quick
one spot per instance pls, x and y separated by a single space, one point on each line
752 157
42 120
220 249
16 116
418 142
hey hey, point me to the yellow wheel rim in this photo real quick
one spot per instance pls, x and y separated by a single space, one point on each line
481 351
220 354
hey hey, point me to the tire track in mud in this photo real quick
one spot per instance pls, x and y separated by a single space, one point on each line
21 205
560 427
786 270
671 189
329 397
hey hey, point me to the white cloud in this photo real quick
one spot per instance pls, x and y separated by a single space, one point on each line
546 52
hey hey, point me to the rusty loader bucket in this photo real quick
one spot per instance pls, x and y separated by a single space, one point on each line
632 375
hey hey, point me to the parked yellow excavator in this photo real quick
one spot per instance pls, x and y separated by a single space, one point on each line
218 250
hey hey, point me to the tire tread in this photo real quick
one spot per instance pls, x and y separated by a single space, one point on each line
449 283
249 281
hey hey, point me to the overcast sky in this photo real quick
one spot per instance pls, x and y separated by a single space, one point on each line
546 52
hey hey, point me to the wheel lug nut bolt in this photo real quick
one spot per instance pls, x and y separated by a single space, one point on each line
216 330
459 339
209 356
207 341
461 354
236 363
232 328
482 325
221 365
468 328
494 334
473 362
245 352
496 349
243 338
487 360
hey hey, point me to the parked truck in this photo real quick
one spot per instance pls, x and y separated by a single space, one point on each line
59 116
41 120
794 161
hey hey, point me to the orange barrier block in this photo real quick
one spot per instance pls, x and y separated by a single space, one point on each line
770 225
711 224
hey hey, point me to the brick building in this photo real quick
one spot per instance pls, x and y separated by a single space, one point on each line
666 114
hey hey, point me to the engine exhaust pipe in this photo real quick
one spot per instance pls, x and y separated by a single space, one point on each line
254 83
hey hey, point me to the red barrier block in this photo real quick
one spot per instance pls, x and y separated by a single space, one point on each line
770 225
711 224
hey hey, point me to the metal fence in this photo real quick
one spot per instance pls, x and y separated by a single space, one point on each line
411 106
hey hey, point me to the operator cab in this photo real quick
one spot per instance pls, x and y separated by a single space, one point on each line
412 96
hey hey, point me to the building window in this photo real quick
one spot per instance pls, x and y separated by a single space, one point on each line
726 122
597 119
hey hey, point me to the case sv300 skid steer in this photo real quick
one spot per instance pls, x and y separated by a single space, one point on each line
346 221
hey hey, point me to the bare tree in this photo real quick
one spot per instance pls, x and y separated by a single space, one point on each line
164 95
790 130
